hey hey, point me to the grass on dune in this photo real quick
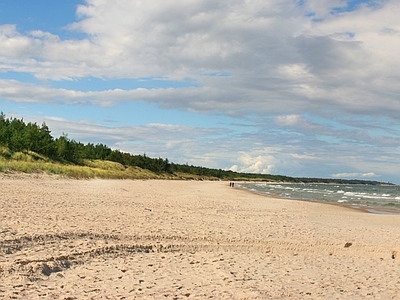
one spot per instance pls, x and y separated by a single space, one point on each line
31 162
104 165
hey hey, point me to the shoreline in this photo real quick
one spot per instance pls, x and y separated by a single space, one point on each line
356 207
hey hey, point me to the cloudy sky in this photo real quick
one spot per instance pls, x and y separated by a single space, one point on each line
292 87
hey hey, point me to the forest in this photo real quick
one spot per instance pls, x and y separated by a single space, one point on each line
16 136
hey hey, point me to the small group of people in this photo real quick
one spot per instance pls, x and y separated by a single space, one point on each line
231 184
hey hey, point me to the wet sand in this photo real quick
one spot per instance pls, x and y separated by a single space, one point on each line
123 239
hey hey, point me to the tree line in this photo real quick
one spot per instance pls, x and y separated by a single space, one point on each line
18 136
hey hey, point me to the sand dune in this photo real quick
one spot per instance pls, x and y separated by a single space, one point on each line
123 239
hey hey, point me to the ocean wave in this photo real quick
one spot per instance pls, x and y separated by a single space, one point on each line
377 196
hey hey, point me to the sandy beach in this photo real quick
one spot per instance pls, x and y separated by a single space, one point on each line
124 239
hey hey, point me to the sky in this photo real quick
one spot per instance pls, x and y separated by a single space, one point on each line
304 88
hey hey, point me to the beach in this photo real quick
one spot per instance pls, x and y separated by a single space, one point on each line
162 239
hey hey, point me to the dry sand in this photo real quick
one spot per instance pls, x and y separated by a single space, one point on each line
123 239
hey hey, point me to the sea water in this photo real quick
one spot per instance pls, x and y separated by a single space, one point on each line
358 196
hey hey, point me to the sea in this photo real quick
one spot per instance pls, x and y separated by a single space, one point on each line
373 198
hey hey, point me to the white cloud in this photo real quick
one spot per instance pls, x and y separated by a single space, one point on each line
370 174
307 156
279 61
289 120
256 161
355 175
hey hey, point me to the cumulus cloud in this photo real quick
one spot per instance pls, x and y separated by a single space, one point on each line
256 161
277 58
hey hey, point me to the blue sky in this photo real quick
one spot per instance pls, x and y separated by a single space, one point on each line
298 88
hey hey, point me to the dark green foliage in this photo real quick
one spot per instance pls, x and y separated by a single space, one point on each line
18 136
116 156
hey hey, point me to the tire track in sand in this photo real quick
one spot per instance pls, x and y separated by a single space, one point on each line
52 253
